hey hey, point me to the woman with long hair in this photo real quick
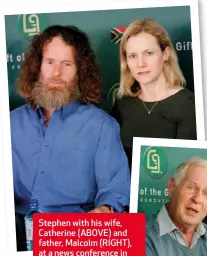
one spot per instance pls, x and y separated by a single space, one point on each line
152 100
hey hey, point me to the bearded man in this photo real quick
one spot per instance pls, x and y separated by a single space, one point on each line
66 152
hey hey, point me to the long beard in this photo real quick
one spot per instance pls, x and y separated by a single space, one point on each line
54 97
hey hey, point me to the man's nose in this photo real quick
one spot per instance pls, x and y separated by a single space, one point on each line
197 198
57 69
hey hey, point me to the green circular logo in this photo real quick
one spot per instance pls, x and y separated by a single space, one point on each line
32 24
111 96
155 162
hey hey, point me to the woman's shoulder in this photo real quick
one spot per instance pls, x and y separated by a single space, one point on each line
181 102
181 95
125 100
125 103
186 93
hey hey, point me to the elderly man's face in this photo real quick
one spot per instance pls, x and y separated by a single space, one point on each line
189 197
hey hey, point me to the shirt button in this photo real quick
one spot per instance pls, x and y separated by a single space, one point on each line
42 172
46 147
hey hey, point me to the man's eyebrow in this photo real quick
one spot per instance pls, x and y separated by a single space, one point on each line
71 61
194 183
49 58
191 182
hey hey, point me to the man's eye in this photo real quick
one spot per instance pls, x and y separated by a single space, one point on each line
190 187
149 53
49 61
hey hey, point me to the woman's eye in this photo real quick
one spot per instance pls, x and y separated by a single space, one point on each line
131 56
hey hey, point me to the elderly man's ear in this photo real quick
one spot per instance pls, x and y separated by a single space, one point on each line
171 186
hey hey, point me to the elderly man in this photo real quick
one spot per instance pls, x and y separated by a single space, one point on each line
66 152
177 230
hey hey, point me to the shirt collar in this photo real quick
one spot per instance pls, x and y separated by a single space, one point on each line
65 111
70 109
200 230
166 225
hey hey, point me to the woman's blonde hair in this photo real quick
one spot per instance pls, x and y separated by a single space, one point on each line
172 71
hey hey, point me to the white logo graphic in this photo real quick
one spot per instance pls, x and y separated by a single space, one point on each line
153 161
31 26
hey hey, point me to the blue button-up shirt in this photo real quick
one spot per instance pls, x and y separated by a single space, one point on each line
74 164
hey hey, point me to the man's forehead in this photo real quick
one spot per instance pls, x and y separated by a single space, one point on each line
57 48
56 41
196 169
196 174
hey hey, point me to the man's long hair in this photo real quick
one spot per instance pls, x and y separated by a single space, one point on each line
89 81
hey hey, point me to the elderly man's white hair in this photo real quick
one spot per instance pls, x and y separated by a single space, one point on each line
181 169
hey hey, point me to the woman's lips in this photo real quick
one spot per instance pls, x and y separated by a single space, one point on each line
143 73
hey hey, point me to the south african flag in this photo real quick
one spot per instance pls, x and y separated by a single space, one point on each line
116 34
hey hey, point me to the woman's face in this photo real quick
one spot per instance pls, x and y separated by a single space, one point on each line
145 58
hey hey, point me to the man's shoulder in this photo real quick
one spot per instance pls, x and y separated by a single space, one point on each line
205 226
152 227
154 244
96 114
18 111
